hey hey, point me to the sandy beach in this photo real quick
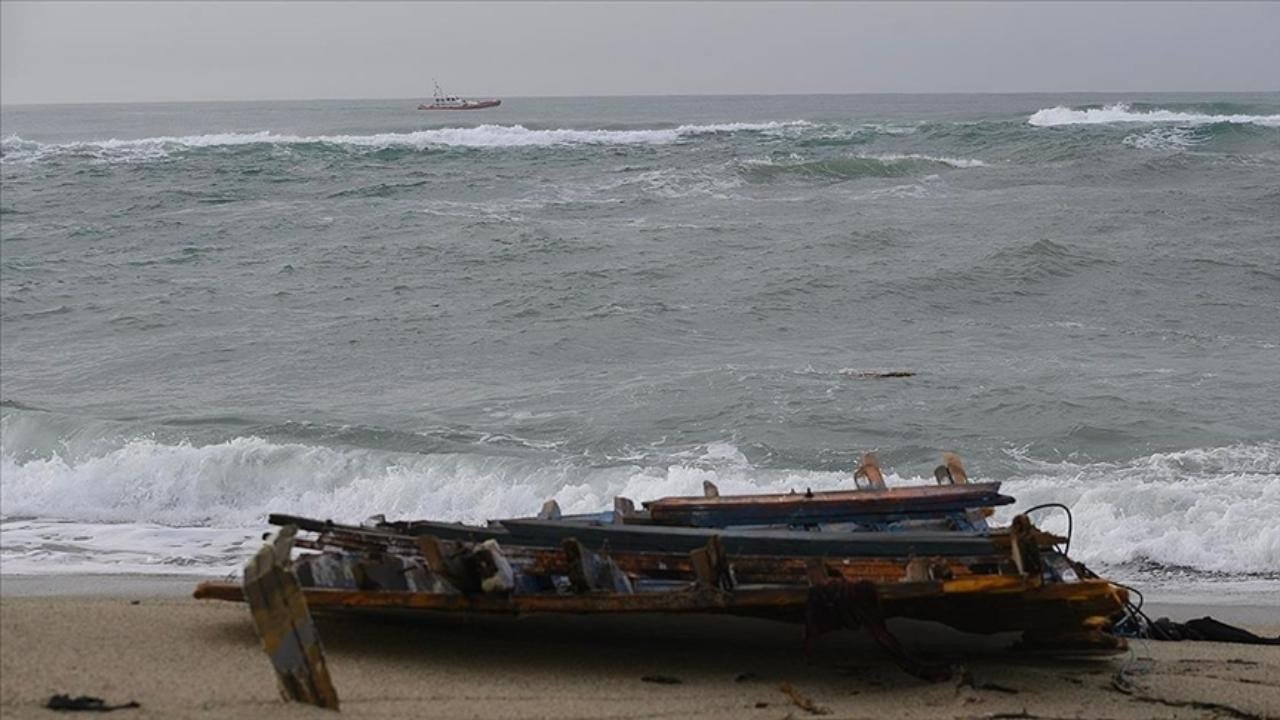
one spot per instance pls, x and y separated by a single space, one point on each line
144 640
482 314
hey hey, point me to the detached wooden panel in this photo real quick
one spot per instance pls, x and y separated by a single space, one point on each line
809 508
288 634
393 532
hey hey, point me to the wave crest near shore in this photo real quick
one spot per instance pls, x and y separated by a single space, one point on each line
1211 510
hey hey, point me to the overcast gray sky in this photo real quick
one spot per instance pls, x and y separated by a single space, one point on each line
116 52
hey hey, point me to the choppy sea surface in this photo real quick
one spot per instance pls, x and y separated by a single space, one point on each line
209 312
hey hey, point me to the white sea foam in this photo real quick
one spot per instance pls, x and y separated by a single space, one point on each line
42 547
134 504
237 482
1210 509
680 183
1123 113
145 506
17 150
1163 138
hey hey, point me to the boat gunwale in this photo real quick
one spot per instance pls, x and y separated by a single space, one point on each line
979 491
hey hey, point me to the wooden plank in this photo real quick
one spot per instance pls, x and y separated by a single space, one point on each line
972 492
645 538
955 468
676 566
219 590
711 569
402 540
284 624
533 533
442 530
623 508
764 569
443 560
1025 549
870 471
810 508
591 572
979 604
679 541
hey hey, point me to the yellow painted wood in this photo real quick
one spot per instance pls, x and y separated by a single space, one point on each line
284 624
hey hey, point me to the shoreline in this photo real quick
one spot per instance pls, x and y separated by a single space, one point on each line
183 658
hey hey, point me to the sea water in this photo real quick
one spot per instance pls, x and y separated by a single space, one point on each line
215 311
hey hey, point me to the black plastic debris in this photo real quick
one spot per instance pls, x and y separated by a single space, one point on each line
85 703
1205 628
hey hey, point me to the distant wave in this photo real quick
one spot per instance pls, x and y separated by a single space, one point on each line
1164 138
907 157
1123 113
1020 269
855 166
16 149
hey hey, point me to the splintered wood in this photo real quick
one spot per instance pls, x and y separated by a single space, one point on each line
288 634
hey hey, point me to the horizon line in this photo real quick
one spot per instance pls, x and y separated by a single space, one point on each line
642 95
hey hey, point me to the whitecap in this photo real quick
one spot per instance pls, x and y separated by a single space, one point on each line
1210 510
1163 138
1123 113
16 149
954 162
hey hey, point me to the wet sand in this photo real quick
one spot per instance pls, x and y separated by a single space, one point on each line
182 658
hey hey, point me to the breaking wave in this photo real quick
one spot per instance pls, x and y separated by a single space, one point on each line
88 501
57 467
1211 510
1123 113
18 150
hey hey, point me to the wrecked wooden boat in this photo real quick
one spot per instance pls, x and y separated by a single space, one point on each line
975 582
827 560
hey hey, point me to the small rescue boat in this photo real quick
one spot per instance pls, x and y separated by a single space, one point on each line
443 101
